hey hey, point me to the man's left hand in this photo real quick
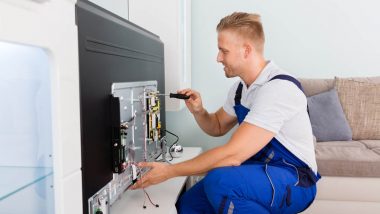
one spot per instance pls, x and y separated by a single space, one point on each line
158 173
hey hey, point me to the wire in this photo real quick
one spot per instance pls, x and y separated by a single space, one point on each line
156 158
146 195
145 192
170 153
172 134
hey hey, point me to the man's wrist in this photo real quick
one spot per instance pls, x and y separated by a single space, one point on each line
172 172
199 112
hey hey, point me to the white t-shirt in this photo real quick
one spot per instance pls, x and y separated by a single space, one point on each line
278 106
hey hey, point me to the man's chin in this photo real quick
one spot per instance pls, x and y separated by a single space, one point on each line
229 75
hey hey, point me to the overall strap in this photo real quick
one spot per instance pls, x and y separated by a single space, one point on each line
289 78
280 76
293 80
238 94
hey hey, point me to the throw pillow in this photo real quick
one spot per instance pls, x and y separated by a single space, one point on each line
327 118
361 105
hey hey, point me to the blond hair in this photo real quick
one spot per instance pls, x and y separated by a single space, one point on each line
247 25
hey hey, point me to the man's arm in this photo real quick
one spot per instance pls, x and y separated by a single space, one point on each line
244 143
214 124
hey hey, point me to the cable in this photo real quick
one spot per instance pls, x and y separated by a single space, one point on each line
146 195
157 157
173 134
145 192
171 156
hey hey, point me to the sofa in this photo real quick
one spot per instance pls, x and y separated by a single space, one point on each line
350 168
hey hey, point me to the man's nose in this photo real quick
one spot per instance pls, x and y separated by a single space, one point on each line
219 58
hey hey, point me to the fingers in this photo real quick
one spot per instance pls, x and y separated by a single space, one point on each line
145 164
158 173
194 104
188 92
194 95
182 91
143 182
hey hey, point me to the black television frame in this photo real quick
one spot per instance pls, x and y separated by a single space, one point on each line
111 49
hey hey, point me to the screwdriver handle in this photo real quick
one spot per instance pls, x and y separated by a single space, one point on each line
179 96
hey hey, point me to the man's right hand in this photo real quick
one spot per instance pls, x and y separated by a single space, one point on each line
214 124
194 103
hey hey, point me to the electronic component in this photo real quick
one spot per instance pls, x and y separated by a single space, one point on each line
134 173
136 123
136 137
118 137
99 203
152 104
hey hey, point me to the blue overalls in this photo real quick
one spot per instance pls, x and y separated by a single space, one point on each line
272 181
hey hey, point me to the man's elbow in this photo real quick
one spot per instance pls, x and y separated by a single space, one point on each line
235 158
229 161
214 134
233 161
217 134
221 132
236 163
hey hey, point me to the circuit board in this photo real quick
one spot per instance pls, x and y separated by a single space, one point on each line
136 137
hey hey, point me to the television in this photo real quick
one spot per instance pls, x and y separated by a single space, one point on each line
112 51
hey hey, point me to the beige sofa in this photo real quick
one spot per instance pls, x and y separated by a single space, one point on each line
350 169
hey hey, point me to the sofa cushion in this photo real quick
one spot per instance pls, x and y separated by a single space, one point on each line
351 159
343 144
316 86
349 190
327 118
374 145
360 101
375 79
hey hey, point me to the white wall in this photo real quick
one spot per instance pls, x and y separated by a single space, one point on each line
315 39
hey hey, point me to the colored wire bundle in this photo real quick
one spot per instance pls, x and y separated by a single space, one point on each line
146 195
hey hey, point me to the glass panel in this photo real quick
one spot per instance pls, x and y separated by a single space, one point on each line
14 179
25 127
36 198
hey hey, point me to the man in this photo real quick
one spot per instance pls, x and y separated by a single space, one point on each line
268 165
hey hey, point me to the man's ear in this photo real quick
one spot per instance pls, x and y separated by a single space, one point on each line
248 49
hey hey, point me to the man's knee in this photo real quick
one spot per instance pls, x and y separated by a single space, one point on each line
183 204
194 201
219 182
218 176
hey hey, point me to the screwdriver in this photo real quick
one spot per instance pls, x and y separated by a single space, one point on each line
178 96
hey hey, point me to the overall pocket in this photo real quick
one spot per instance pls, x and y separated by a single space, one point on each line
282 179
302 198
303 194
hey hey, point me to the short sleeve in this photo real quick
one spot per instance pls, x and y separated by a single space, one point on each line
276 102
230 101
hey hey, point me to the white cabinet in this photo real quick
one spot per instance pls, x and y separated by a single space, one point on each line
40 138
171 21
